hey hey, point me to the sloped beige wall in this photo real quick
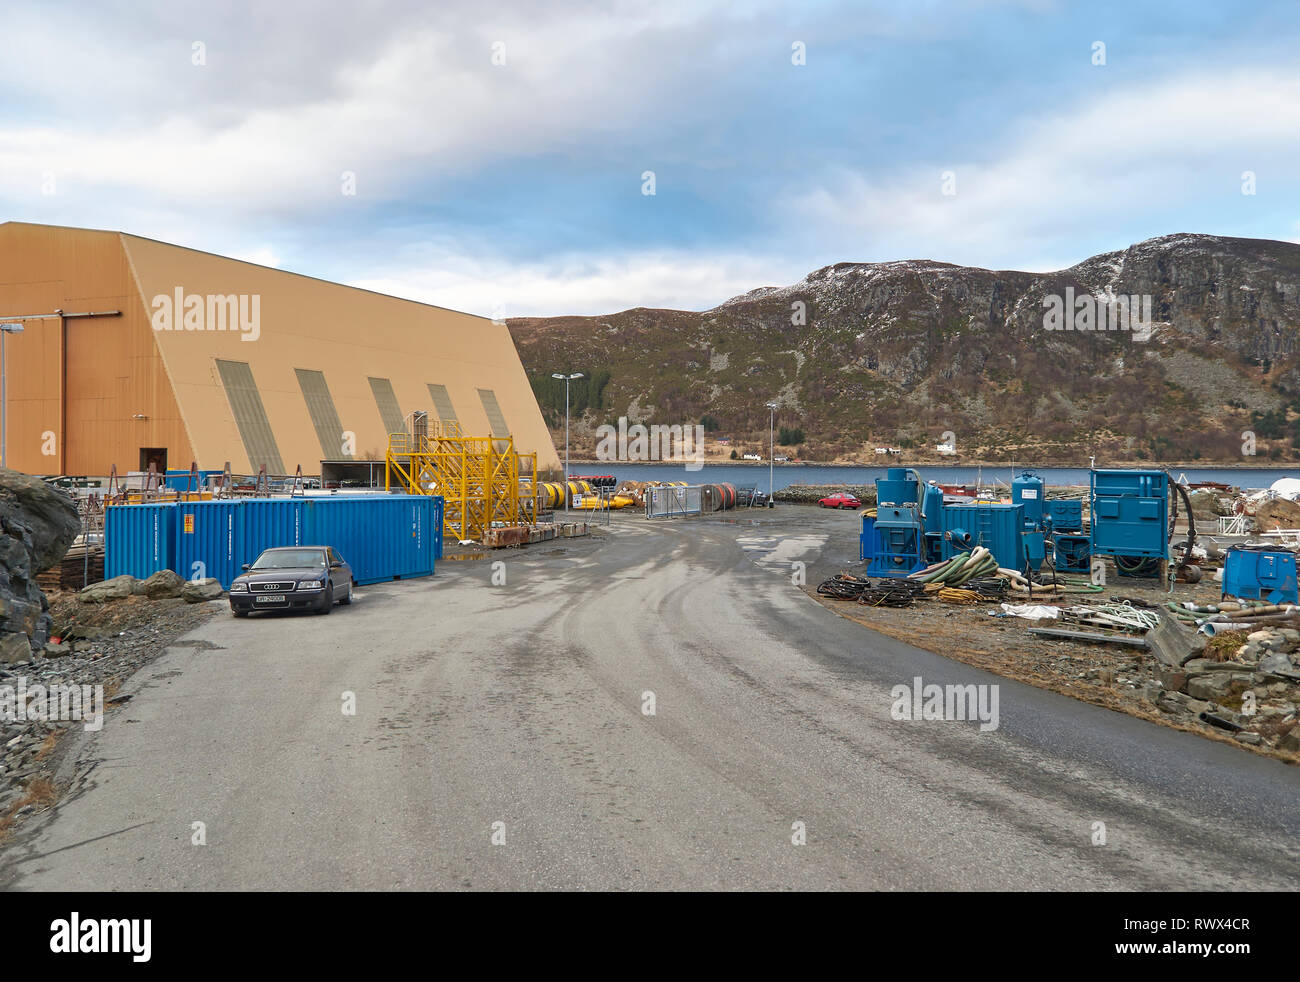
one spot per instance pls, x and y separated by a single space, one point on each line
346 333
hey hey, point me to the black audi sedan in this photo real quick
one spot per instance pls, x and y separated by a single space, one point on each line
292 578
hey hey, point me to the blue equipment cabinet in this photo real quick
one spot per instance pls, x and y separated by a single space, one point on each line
1260 572
899 542
1072 553
1065 514
1130 514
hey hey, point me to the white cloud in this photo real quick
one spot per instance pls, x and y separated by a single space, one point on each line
1146 152
578 285
420 104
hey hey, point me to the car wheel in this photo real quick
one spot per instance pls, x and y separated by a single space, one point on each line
238 613
347 598
328 604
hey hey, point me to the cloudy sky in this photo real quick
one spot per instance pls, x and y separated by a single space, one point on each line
497 150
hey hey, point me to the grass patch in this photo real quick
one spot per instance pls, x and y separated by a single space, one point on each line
1222 647
41 792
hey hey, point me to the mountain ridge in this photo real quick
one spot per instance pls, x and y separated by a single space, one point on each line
898 353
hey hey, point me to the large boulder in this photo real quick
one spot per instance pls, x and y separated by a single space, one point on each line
38 523
117 588
197 591
163 583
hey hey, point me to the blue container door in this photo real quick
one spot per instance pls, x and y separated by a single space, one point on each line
267 523
207 540
138 539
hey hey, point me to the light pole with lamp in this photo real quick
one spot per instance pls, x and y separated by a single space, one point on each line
4 395
567 380
771 450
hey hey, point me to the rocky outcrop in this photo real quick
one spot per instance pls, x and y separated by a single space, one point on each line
37 525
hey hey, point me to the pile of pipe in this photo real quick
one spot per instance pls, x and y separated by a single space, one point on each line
959 569
972 576
1235 615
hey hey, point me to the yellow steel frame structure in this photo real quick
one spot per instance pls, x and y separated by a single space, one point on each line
479 478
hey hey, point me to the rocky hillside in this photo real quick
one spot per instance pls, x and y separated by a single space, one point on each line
860 355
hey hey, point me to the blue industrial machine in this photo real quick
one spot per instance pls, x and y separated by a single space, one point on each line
1072 553
1064 515
907 529
1027 491
914 528
1260 572
1130 519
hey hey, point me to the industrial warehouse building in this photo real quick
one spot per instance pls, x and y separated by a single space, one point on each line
135 352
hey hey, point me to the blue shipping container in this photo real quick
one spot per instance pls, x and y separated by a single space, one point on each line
996 527
382 536
138 539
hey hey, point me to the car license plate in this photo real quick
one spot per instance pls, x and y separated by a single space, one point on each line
271 599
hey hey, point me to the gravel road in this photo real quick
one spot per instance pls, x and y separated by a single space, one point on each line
525 704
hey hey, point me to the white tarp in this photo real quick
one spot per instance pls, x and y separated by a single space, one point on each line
1032 611
1286 487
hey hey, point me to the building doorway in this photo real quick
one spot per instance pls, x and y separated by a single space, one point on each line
156 456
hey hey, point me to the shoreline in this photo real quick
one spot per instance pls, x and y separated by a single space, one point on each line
1200 465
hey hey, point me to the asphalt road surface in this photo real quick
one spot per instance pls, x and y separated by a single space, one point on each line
518 713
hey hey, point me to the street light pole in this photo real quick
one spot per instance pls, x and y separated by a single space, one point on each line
4 394
771 450
567 380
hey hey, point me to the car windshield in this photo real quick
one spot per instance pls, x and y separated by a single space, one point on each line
289 559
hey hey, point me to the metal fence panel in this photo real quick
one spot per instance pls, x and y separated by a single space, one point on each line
673 502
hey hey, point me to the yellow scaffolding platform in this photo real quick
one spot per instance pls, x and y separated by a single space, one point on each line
482 480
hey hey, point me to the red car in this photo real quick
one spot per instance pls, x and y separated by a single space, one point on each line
841 499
